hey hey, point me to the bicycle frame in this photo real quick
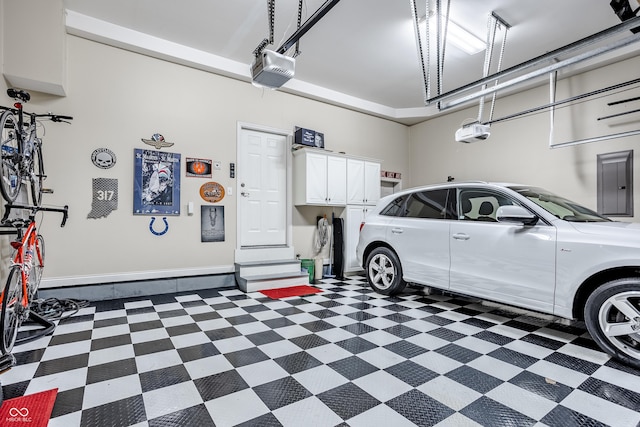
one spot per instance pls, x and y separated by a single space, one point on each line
22 278
22 148
26 246
27 249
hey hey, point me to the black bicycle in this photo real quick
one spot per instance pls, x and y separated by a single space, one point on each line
21 148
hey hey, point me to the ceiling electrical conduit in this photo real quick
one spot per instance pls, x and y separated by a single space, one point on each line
458 97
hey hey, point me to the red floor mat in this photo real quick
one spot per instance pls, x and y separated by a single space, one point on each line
32 410
293 291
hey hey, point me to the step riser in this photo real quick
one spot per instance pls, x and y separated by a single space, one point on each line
255 270
261 285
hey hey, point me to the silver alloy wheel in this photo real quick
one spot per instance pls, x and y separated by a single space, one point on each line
619 321
381 271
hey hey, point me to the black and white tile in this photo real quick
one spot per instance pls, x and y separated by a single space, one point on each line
344 357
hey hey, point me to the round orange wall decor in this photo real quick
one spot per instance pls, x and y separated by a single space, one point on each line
212 192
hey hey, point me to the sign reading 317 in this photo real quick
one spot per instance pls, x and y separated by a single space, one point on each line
105 197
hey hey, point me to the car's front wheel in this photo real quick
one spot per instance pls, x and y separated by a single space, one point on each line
612 316
384 272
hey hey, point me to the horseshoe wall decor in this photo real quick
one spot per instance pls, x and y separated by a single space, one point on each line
159 233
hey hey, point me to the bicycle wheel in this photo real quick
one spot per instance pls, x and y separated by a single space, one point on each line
11 310
10 178
36 270
37 174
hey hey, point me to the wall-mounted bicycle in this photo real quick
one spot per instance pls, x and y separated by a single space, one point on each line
21 148
25 272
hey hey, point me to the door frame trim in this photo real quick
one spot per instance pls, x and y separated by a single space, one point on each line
246 254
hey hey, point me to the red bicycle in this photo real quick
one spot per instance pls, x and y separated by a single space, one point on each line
25 271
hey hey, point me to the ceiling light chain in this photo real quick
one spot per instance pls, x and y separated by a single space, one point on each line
442 43
272 17
297 52
488 55
271 7
426 74
500 58
494 23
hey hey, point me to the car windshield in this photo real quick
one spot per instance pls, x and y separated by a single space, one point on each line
559 206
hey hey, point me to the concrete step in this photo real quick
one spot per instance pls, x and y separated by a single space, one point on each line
262 282
254 268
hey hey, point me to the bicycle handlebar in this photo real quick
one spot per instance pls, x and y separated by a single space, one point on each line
53 117
34 209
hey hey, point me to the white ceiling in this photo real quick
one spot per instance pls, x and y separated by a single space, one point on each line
362 54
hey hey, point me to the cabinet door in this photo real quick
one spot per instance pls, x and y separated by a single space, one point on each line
355 182
316 178
354 217
371 183
336 180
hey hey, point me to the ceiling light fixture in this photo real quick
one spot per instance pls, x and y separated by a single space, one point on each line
458 36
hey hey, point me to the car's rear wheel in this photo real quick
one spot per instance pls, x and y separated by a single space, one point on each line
384 272
612 316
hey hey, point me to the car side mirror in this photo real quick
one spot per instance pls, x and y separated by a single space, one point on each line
516 215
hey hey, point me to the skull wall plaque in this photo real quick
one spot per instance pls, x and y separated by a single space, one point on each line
103 158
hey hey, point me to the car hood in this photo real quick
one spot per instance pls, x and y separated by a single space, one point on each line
607 227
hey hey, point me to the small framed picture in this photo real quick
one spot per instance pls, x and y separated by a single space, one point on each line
211 223
199 168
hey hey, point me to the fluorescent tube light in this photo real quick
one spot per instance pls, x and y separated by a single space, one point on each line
459 37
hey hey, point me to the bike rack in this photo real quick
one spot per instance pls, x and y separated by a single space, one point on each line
6 362
31 335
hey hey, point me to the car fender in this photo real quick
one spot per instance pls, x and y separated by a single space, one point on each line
581 256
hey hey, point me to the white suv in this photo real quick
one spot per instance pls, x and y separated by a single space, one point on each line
514 244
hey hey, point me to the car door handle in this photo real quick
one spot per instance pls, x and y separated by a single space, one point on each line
397 230
461 236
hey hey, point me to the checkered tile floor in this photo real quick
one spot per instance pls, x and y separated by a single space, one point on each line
344 357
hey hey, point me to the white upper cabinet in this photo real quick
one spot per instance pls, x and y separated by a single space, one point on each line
334 179
363 182
319 179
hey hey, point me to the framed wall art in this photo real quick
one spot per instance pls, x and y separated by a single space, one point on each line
211 223
156 187
199 168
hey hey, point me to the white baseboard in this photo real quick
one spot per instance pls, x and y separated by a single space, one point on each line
58 282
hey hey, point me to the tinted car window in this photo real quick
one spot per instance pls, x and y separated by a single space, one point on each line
481 205
559 206
394 208
433 204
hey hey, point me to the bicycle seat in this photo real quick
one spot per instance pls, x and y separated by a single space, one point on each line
19 94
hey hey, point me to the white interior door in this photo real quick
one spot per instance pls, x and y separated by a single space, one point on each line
262 189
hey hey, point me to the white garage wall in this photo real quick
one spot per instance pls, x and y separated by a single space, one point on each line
518 150
117 98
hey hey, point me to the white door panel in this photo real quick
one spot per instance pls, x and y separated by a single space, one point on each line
371 183
262 175
504 262
336 177
355 182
